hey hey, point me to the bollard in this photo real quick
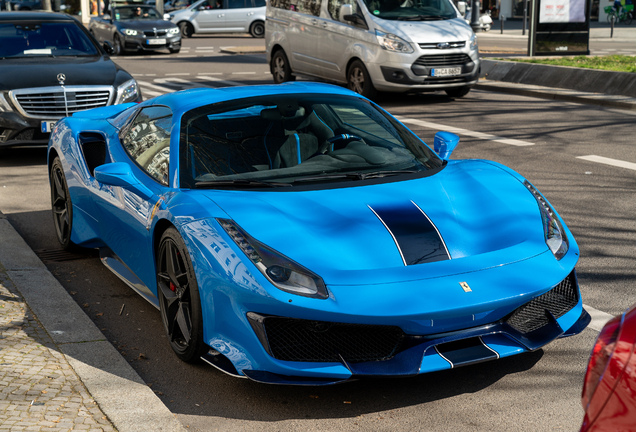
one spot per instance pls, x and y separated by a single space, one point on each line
613 17
502 18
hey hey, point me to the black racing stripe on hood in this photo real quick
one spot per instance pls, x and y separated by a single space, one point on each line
414 234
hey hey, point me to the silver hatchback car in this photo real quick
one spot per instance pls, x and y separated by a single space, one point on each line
222 16
373 45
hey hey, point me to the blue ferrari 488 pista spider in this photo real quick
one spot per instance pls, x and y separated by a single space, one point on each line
300 234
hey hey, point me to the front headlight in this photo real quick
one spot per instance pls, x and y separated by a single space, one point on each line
127 92
129 32
392 42
173 30
473 42
281 271
554 233
4 105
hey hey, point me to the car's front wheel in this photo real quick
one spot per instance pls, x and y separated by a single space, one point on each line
179 300
257 29
281 71
186 29
174 50
118 47
62 206
359 81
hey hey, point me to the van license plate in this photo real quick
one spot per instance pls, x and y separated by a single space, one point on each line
156 41
446 72
47 126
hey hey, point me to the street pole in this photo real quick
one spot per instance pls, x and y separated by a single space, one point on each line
474 15
525 16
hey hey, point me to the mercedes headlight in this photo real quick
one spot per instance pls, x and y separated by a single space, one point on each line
173 30
473 42
281 271
127 92
4 105
129 32
392 42
555 236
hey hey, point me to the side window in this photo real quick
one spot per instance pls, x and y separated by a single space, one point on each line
334 7
147 141
236 4
309 7
260 3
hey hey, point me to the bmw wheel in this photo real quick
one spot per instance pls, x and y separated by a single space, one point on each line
359 81
62 206
118 48
281 70
179 298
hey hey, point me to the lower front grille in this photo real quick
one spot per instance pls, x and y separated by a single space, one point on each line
294 339
558 301
438 60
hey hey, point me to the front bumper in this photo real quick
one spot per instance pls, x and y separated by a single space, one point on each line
152 43
16 130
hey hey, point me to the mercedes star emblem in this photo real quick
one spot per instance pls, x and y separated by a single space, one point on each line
61 78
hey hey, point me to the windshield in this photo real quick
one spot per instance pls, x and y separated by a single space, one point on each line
411 10
295 139
41 39
136 13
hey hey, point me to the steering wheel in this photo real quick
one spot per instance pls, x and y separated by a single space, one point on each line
344 138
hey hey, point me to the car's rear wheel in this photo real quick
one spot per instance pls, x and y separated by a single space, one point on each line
457 92
359 81
62 206
257 29
179 298
118 48
186 29
281 71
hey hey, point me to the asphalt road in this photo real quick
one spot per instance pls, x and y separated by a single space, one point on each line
534 392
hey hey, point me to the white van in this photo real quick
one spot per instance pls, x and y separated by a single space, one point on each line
373 45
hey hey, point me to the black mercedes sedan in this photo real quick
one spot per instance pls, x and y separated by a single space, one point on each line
51 68
134 28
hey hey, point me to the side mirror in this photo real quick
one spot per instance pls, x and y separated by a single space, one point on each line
461 7
444 144
108 47
119 174
166 17
345 9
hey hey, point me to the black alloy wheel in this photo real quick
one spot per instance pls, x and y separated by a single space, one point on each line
457 92
62 206
117 45
179 298
280 68
257 29
174 50
186 29
359 81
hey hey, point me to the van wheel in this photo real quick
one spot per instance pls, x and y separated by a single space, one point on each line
359 81
457 92
280 68
186 29
257 29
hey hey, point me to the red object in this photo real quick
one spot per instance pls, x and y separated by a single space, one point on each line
609 389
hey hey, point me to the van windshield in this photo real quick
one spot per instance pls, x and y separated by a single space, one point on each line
411 10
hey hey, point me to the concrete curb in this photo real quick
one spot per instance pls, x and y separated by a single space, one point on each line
243 50
118 390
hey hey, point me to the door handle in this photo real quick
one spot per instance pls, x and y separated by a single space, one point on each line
314 21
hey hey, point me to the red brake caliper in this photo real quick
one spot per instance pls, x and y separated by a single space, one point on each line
173 288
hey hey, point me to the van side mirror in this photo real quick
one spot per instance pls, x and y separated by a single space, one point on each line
444 143
461 6
345 10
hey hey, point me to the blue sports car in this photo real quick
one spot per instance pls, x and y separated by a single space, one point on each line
300 234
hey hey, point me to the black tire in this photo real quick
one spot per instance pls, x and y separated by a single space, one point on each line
628 18
174 50
62 206
118 48
179 299
257 29
186 29
280 68
359 81
457 92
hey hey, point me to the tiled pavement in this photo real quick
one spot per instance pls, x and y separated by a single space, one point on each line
39 390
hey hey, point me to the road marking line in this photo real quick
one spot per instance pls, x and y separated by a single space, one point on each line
599 318
608 161
243 73
460 131
178 73
219 80
156 87
210 73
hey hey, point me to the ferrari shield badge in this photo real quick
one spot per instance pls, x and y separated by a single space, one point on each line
465 286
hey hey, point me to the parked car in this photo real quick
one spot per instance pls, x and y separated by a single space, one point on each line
171 6
134 28
25 5
609 389
52 68
373 45
222 16
300 234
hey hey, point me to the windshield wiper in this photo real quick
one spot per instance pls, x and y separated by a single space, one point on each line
354 176
240 183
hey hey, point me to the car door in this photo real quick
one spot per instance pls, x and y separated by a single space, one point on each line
124 215
237 15
210 16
